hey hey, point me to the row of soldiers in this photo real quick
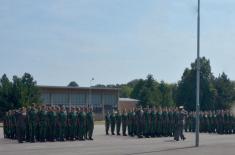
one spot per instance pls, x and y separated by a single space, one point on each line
147 122
49 123
220 121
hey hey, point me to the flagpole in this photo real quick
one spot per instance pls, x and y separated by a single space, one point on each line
198 78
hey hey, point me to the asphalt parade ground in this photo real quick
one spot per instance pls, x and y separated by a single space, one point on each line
210 144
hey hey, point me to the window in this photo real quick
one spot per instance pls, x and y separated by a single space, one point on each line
78 99
45 97
60 98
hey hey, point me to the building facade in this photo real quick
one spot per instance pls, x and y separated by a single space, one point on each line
127 104
101 99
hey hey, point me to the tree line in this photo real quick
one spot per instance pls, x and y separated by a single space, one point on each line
215 92
18 92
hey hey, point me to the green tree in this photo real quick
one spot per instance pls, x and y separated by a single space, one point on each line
125 91
72 84
147 92
225 92
187 87
166 99
18 92
29 92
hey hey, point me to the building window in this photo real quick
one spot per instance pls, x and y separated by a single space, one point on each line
45 97
78 99
96 100
110 99
60 99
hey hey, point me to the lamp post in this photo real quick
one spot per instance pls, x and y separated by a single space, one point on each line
198 77
92 79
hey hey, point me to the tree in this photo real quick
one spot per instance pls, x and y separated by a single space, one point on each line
73 84
186 91
18 92
5 95
125 91
166 99
225 92
29 92
147 92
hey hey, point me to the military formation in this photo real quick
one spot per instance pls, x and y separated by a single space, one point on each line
220 122
41 123
147 122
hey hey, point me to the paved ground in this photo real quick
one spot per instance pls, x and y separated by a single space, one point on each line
114 145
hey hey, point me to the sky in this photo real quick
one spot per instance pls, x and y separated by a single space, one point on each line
113 41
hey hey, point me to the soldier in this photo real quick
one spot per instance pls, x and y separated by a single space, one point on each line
42 124
113 122
6 126
131 123
146 122
118 122
13 127
62 123
51 115
165 122
32 119
124 122
90 123
153 123
82 124
107 123
78 123
21 125
73 123
176 117
171 122
159 122
180 124
139 122
27 138
206 122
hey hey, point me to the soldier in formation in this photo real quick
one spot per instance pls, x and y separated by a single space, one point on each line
147 122
220 122
168 122
49 123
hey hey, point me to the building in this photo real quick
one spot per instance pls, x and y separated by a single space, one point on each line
127 103
101 99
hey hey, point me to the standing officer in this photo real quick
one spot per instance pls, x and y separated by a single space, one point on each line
146 122
107 123
21 125
90 123
32 120
140 122
124 122
73 123
113 122
153 122
82 124
118 122
180 123
42 124
62 123
51 115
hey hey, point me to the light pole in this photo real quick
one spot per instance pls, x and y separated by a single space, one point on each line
92 79
198 77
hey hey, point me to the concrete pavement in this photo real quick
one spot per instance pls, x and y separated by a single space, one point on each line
211 144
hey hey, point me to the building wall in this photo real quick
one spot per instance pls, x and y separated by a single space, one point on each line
101 100
128 105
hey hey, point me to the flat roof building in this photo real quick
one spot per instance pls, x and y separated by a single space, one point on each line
127 104
101 99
